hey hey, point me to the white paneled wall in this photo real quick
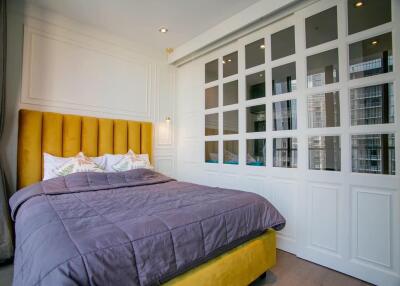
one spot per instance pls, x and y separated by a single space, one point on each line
56 64
61 70
343 220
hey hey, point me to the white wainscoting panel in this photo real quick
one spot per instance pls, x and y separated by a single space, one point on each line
284 199
324 216
256 185
229 181
165 165
212 179
164 134
372 211
190 151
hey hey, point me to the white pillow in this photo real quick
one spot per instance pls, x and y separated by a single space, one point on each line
79 163
229 156
105 162
132 161
52 163
110 160
214 156
145 158
100 161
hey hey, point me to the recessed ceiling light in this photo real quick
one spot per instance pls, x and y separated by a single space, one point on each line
163 30
359 4
229 60
262 46
375 42
169 51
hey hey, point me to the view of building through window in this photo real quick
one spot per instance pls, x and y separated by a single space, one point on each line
373 153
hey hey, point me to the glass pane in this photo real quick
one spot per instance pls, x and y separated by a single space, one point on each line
211 152
323 68
255 85
230 64
255 152
211 124
283 43
368 14
284 79
231 122
255 118
285 115
211 72
324 153
231 152
211 97
231 92
373 153
285 152
372 104
371 56
321 27
255 54
323 110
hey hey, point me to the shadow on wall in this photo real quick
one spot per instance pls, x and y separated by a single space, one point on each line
15 41
13 90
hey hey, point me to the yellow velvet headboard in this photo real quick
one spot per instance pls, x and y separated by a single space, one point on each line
65 135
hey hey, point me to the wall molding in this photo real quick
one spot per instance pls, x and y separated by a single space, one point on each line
169 168
30 25
321 189
32 33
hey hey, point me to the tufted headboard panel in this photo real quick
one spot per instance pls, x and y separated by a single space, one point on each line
65 135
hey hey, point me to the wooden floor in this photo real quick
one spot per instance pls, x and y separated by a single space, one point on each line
293 271
289 271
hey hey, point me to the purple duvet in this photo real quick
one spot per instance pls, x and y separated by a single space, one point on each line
132 228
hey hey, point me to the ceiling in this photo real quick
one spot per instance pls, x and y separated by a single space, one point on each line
139 20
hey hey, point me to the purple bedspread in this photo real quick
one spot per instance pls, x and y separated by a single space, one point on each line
132 228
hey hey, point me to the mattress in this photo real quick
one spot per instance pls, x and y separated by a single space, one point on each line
130 228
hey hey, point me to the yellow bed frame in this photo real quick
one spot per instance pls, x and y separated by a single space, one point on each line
65 135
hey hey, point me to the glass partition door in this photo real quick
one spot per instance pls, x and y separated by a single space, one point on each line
305 112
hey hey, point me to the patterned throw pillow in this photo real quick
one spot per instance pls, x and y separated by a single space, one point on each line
51 164
79 163
132 161
145 158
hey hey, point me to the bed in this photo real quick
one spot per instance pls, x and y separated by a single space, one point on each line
130 228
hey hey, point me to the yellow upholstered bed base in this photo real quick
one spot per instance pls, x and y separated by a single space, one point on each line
65 135
238 267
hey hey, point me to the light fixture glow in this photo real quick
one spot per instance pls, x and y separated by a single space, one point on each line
223 62
163 30
261 75
359 4
229 60
262 46
374 42
168 119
